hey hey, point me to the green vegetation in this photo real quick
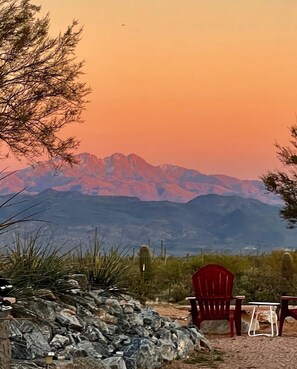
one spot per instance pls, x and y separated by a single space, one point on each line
103 269
30 267
257 276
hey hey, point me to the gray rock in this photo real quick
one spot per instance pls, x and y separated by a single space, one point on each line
113 306
32 342
184 345
163 333
20 349
94 334
88 363
37 344
65 317
115 363
91 350
148 355
106 317
101 331
135 320
44 293
128 309
81 279
15 333
59 342
45 309
167 350
66 284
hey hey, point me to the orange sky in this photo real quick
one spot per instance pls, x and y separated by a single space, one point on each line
205 84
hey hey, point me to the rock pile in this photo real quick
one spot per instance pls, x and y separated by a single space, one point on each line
96 329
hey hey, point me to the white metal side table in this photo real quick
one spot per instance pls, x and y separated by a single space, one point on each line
272 318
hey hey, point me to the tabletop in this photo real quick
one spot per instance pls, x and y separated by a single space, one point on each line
261 303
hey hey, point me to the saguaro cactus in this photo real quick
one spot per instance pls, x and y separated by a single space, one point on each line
145 262
163 252
287 267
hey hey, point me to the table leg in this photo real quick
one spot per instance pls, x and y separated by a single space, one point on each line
251 322
273 320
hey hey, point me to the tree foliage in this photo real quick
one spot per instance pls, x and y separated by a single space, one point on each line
284 182
40 91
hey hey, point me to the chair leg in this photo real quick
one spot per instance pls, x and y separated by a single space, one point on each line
281 323
194 312
237 317
231 321
284 311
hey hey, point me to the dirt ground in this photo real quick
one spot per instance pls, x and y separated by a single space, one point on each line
242 352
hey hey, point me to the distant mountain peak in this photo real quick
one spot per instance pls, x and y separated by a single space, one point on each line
130 175
138 162
135 157
86 155
117 156
86 158
129 159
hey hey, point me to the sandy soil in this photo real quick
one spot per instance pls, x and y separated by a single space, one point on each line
242 352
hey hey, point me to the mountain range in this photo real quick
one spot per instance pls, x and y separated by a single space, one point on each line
131 202
206 222
132 176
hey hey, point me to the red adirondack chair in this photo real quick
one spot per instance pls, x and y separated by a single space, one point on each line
286 310
213 286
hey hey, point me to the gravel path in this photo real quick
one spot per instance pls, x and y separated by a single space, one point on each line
243 352
257 352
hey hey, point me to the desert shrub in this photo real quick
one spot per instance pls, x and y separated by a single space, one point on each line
103 268
29 264
234 263
178 293
263 285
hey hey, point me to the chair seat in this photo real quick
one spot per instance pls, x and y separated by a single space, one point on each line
293 313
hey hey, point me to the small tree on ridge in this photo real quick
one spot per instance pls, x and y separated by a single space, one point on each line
284 182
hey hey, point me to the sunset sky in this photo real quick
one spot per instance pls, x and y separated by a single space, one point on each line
205 84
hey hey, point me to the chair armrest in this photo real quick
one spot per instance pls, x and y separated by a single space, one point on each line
238 303
293 298
193 302
284 304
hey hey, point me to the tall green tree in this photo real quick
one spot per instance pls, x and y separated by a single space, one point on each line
283 182
40 90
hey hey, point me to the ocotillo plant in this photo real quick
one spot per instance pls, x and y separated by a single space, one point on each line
145 262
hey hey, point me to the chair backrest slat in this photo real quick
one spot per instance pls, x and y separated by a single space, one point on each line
213 286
